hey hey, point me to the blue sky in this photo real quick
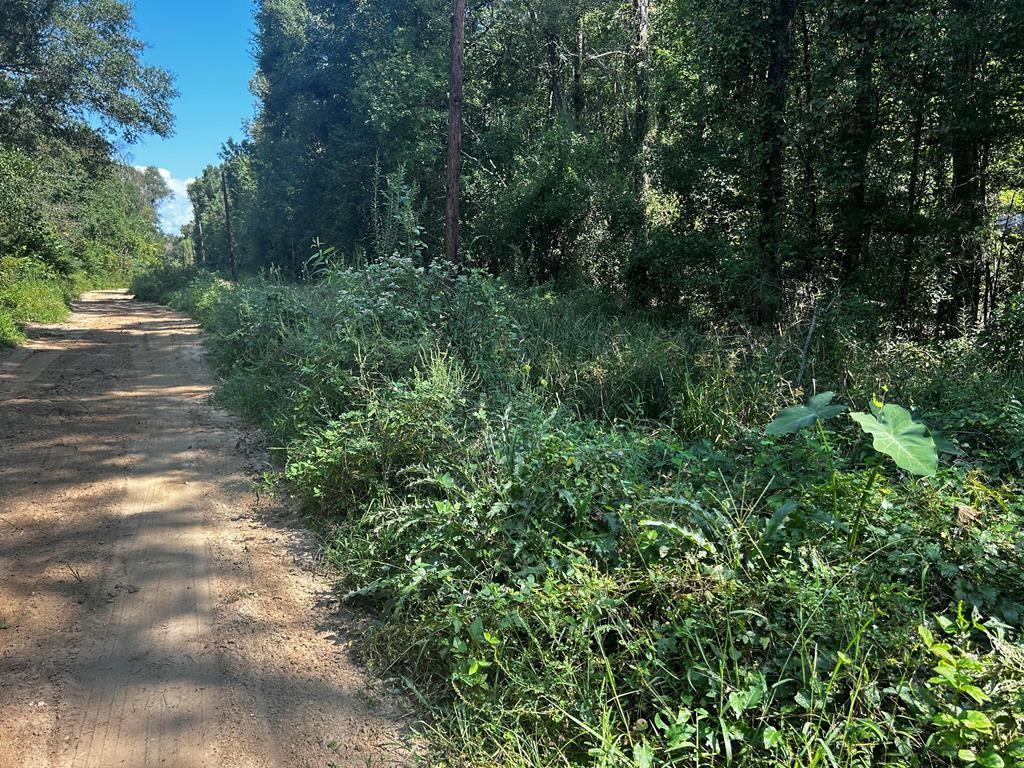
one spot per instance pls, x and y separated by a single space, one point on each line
207 46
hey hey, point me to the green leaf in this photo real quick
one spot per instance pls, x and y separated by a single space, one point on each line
687 534
899 436
778 519
976 693
944 444
771 737
643 755
926 635
741 701
991 759
797 417
476 630
976 721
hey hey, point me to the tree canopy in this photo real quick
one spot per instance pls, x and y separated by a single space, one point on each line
73 81
73 69
737 158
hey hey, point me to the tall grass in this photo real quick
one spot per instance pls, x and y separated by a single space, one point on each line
28 293
581 549
32 292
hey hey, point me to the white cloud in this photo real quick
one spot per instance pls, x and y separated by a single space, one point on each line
175 211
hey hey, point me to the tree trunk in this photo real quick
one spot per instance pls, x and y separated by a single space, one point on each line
227 220
458 55
773 141
198 231
556 94
641 79
579 99
859 146
809 153
913 201
966 196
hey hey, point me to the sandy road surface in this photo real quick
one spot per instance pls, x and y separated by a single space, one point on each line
151 612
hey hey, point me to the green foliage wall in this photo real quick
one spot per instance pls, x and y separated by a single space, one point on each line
644 168
71 214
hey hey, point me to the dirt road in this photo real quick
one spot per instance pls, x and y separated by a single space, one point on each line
151 612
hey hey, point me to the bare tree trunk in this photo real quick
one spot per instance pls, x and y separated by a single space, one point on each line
641 81
913 201
966 196
227 219
773 138
808 154
556 95
860 140
198 231
579 99
458 57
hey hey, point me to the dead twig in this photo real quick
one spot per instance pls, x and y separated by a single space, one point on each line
806 350
78 578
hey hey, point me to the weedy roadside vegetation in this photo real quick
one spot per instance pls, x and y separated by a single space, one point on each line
34 292
582 546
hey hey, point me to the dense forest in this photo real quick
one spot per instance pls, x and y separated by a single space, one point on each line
715 158
72 214
701 445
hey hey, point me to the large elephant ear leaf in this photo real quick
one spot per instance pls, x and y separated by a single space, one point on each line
896 434
797 417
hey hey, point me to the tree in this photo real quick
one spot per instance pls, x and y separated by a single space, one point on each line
850 146
71 81
73 64
152 186
641 77
232 261
455 131
967 190
859 140
773 139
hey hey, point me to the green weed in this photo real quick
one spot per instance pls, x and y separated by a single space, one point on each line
581 547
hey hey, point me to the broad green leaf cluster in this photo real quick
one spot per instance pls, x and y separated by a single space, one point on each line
894 431
896 434
797 417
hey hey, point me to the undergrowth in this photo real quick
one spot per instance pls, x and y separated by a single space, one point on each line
581 548
29 293
32 292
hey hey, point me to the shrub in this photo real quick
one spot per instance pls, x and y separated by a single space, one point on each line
29 292
10 333
582 548
1003 340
